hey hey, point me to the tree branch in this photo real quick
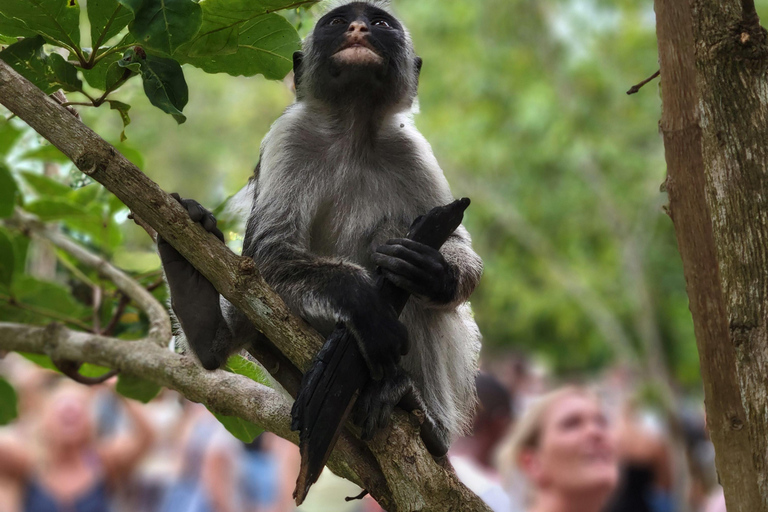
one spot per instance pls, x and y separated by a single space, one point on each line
159 321
395 467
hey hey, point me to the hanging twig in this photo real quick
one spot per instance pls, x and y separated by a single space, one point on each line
635 88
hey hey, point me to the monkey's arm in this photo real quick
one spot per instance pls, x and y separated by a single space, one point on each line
327 292
443 279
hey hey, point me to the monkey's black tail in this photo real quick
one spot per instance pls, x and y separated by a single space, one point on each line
338 373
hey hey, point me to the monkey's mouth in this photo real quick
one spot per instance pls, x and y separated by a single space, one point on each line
357 51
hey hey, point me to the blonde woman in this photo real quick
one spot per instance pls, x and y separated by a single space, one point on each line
562 453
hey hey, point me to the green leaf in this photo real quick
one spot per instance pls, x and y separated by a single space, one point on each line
12 28
243 366
9 134
8 402
8 191
7 258
92 370
165 86
40 360
97 75
265 46
57 20
136 388
27 58
102 229
133 155
164 25
65 73
107 19
47 153
46 295
244 430
45 186
84 196
54 209
122 109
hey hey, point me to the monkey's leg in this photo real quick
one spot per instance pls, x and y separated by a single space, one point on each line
377 401
193 298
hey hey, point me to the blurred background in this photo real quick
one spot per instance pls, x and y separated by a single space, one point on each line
526 108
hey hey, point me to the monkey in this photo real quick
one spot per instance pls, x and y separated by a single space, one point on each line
342 174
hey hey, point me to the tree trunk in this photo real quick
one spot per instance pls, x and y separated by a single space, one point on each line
713 59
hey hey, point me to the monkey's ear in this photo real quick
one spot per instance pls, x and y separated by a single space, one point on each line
298 58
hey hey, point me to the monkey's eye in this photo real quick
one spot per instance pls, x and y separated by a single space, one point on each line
381 23
336 21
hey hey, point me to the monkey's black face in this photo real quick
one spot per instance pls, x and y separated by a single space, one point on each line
358 49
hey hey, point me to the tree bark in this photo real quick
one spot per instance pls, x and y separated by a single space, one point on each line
394 467
713 59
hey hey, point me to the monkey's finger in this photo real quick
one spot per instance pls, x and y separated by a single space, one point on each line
408 255
177 197
397 266
404 283
209 223
196 211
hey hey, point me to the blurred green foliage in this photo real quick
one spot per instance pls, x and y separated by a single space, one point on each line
524 104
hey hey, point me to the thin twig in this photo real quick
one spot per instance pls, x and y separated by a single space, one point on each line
635 88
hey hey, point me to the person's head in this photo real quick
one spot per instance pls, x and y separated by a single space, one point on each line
494 411
66 420
563 446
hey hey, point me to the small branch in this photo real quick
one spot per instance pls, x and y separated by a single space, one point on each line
636 88
159 321
749 13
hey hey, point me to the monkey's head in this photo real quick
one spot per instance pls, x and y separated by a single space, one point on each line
358 50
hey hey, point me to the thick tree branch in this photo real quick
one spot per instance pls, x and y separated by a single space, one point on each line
395 467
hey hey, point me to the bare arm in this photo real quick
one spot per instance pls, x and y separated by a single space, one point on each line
15 462
121 455
218 474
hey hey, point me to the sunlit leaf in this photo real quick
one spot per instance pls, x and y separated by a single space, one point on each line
242 366
55 208
41 360
122 109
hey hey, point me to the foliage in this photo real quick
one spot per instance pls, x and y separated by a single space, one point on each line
147 39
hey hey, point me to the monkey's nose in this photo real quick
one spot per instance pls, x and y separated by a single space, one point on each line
357 26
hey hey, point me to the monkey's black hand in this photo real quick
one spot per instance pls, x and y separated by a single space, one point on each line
418 269
194 299
381 337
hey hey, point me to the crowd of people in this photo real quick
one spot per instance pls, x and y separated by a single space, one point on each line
534 447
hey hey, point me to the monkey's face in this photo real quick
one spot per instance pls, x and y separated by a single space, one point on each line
357 49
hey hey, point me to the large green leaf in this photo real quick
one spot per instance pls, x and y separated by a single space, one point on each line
8 190
7 258
244 430
107 19
48 72
222 20
29 60
47 153
163 79
57 20
8 402
11 27
164 25
265 46
136 388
